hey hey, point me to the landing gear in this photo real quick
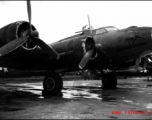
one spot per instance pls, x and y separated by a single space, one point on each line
109 81
52 84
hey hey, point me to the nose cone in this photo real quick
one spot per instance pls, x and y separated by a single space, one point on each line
35 33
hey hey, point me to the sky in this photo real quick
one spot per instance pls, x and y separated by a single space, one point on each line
56 20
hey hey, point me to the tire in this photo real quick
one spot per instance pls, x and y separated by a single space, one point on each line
52 84
109 81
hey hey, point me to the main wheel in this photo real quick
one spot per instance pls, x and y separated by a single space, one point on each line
52 84
109 81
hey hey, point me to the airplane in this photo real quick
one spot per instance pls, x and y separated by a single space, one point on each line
100 49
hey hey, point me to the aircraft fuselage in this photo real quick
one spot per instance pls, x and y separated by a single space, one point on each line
117 47
121 45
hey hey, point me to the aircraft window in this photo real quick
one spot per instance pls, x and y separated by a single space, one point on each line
100 31
111 28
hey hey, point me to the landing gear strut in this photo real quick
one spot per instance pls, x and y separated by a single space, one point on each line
52 84
109 81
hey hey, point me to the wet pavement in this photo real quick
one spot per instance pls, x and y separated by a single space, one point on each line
22 98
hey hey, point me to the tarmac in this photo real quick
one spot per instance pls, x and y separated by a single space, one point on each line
22 98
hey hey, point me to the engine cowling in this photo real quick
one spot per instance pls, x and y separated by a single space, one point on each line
14 31
83 44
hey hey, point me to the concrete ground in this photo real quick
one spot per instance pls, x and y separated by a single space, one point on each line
21 98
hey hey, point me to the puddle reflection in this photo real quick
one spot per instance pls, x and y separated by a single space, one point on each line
79 93
74 92
149 106
82 90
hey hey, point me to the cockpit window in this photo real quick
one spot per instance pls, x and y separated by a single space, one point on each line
111 28
105 29
100 31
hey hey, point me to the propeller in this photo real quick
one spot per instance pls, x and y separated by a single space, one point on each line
48 49
90 51
33 34
86 58
29 14
92 46
89 25
17 42
12 45
102 52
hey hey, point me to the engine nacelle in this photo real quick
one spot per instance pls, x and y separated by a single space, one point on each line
83 44
14 31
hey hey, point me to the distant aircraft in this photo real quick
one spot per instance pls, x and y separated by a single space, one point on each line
100 49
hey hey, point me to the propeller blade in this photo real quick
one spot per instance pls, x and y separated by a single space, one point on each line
89 25
101 52
12 45
29 13
85 59
48 49
34 34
